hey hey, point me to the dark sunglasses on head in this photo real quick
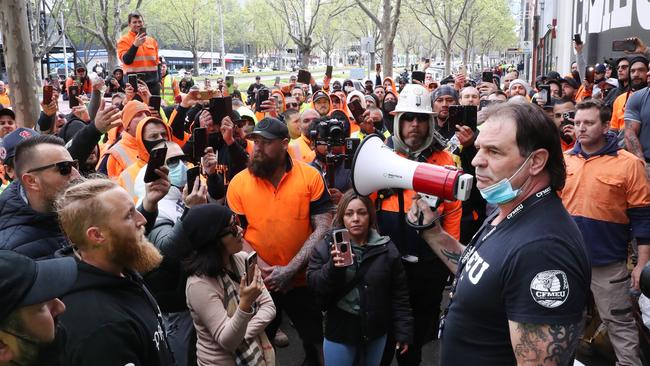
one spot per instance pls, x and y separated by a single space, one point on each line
409 116
232 229
64 167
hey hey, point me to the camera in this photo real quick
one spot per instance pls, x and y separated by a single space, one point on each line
333 132
329 132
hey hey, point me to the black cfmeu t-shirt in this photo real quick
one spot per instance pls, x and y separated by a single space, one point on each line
531 268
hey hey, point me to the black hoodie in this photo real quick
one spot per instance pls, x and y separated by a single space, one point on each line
111 320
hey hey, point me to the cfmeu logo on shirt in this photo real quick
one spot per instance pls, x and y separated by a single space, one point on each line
550 288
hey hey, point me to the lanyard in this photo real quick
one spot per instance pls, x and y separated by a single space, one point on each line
479 239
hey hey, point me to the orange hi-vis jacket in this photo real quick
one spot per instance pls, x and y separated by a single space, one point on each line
146 58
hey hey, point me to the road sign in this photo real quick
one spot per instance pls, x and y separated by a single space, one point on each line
527 46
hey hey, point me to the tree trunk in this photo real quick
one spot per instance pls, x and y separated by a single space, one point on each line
305 56
389 47
111 52
19 61
195 62
447 60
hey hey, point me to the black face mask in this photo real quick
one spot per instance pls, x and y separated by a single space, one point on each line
150 145
389 106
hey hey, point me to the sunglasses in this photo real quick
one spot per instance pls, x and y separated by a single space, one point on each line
422 117
232 229
81 70
64 167
175 160
292 104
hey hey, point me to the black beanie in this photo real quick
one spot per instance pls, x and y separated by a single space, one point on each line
203 223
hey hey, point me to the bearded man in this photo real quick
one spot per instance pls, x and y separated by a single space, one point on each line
111 317
288 198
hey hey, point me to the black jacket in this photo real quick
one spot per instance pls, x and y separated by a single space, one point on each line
23 230
111 320
383 290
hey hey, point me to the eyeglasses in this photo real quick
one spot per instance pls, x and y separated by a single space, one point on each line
409 116
622 67
175 160
232 229
81 70
64 167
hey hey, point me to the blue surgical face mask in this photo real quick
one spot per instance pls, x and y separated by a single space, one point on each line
178 175
502 192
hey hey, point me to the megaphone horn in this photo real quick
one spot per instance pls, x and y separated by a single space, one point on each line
376 166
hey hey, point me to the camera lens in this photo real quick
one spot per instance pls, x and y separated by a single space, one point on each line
344 248
336 132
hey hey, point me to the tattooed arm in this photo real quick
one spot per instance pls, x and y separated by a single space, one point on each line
548 345
446 247
632 144
281 277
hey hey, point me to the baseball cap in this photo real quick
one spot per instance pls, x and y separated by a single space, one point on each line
257 77
9 143
8 112
613 82
571 81
270 128
320 95
24 281
600 68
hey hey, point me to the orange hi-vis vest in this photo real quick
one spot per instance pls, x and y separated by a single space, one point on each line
146 58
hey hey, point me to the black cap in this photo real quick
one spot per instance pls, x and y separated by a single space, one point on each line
257 77
554 75
24 281
571 81
270 128
8 112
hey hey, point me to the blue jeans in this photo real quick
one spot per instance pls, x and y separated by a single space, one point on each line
341 354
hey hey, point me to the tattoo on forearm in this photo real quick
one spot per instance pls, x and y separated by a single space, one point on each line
453 257
320 223
546 344
632 144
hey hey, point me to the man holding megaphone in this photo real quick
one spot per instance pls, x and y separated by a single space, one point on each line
523 280
414 138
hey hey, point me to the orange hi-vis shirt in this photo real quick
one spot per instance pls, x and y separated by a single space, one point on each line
617 122
146 58
299 149
279 219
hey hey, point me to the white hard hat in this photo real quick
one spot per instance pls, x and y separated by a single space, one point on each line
414 98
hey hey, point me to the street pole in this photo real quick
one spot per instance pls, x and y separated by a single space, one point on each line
223 47
65 48
19 61
211 45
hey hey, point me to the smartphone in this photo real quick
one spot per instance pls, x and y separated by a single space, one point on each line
328 71
566 116
230 82
277 80
250 264
143 30
378 68
200 137
47 94
418 75
205 94
262 95
577 39
463 115
156 160
589 74
219 108
625 45
73 93
133 80
357 110
154 102
342 244
192 174
487 77
462 69
427 60
304 76
544 95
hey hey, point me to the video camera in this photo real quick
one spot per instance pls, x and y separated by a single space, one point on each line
332 133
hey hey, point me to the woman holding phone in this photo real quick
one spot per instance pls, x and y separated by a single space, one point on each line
229 314
366 301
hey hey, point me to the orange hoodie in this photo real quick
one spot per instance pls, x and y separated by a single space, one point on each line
392 84
126 178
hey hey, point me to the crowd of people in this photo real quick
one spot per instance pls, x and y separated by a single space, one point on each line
128 226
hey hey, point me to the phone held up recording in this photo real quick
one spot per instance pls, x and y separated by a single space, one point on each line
342 244
250 264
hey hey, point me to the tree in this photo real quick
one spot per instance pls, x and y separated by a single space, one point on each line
329 37
45 32
300 18
105 20
442 20
387 25
497 32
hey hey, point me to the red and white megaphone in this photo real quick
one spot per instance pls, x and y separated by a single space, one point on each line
376 166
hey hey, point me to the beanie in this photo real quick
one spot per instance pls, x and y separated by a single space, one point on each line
130 110
445 90
520 82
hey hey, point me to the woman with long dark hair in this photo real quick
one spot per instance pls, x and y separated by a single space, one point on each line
367 300
229 314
